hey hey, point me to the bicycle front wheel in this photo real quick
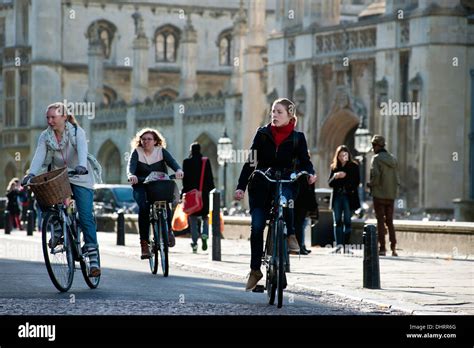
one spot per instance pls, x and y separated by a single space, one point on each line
154 248
163 246
270 265
281 262
57 251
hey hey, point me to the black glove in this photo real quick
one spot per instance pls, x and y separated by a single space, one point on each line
80 170
26 179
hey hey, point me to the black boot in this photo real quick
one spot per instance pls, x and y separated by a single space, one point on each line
347 237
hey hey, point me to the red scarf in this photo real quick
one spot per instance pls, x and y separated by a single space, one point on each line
281 133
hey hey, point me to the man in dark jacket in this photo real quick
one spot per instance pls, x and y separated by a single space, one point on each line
192 166
384 182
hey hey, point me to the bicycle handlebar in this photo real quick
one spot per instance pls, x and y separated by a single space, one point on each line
293 177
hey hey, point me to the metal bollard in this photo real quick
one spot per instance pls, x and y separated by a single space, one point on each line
121 228
8 226
371 258
30 219
215 208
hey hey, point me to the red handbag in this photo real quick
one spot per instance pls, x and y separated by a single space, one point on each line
192 200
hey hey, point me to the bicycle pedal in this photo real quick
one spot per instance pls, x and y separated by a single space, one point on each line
259 288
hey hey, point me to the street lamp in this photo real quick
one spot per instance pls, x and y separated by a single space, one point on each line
224 154
363 145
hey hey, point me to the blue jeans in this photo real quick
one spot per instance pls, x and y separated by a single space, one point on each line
341 226
84 198
259 217
195 223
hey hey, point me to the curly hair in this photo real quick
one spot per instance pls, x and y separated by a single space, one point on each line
159 138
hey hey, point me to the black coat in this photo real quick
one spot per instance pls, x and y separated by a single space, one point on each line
349 184
12 205
284 158
192 174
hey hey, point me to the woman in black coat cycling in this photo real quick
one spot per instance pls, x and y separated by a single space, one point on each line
279 147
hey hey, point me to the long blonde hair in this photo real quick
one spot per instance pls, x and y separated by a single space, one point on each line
11 183
159 138
64 112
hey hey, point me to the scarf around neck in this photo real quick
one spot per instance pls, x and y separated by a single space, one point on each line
281 133
69 135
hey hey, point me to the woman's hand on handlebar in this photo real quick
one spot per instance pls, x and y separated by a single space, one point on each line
239 195
133 179
179 174
312 179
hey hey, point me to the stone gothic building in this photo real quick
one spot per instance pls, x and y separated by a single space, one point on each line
192 69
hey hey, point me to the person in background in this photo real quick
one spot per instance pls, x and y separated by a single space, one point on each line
192 166
345 180
384 182
13 205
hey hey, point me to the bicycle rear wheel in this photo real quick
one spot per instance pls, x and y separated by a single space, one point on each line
163 246
281 283
57 251
92 282
154 248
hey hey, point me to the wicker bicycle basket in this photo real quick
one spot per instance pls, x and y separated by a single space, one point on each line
161 190
52 187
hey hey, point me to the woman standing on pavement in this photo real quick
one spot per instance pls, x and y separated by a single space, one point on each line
278 146
345 180
149 155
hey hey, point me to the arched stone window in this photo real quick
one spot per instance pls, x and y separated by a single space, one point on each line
166 94
109 157
166 43
109 96
105 33
224 43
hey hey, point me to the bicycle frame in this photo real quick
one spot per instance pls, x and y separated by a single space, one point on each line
277 264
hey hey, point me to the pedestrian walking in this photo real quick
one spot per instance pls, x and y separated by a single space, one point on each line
13 205
193 167
344 180
384 182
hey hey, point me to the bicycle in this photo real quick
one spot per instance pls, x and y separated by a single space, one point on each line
159 224
62 245
275 255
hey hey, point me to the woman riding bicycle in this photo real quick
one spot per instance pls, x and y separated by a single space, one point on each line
64 144
279 147
149 155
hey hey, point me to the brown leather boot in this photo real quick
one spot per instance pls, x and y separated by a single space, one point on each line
145 250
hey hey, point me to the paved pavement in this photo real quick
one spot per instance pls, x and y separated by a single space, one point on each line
410 284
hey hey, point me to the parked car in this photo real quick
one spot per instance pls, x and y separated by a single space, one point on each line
112 198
